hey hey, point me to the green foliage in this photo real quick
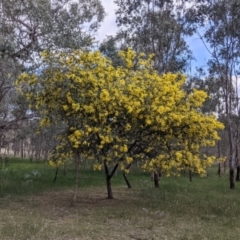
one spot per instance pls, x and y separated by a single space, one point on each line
220 20
156 27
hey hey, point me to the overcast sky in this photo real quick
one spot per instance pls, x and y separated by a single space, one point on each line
108 27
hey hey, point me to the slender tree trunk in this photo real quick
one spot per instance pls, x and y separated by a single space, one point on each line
190 175
238 174
109 188
156 179
231 160
228 106
231 178
108 179
238 167
56 173
126 178
219 169
77 162
219 155
108 182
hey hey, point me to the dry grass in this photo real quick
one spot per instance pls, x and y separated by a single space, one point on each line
50 216
128 216
179 210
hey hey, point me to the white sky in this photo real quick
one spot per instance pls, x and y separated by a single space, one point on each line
108 27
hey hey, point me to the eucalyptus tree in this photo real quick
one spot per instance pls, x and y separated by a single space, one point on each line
156 27
28 27
220 22
36 25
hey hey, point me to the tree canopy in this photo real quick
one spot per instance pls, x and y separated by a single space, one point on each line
114 115
155 27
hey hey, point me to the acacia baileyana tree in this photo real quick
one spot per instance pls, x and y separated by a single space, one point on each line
114 115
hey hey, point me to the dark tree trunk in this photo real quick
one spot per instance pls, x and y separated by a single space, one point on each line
156 179
109 188
219 155
231 151
219 169
56 173
108 179
190 175
126 180
238 165
231 178
108 182
238 174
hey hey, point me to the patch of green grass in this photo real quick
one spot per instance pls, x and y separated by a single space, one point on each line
23 177
203 209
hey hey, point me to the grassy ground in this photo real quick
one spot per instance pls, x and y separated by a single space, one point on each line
32 207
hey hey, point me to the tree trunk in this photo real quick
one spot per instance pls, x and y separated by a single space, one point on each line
238 174
219 169
109 188
126 180
237 163
231 164
108 182
56 173
190 175
219 155
156 179
77 161
231 178
108 179
230 135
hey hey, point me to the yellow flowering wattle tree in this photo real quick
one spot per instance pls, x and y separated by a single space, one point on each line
114 115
